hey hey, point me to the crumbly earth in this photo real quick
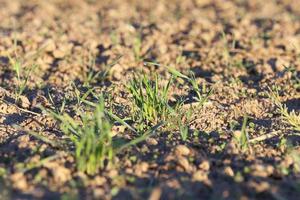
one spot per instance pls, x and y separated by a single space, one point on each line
240 48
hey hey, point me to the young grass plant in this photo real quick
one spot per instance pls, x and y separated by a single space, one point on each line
150 100
137 48
22 76
291 118
58 110
202 94
91 76
91 137
180 120
241 137
21 70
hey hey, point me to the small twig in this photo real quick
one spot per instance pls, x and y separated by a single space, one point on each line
28 111
21 109
264 137
41 163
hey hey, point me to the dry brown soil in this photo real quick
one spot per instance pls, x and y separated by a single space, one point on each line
241 48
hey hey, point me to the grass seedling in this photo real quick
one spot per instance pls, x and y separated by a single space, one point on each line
22 73
184 130
229 59
80 98
137 48
183 119
91 76
291 118
62 107
226 50
241 137
150 100
22 76
92 138
93 143
202 94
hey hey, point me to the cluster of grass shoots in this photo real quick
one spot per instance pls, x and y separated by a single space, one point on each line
150 99
150 102
91 137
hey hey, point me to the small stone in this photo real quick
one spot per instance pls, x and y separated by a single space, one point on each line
98 192
228 171
144 166
141 168
184 163
99 180
205 165
259 187
182 150
260 170
24 102
200 176
49 45
19 181
58 54
281 64
232 148
116 71
155 194
118 129
129 170
112 173
61 174
152 141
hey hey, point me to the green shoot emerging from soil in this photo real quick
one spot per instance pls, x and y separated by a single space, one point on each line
22 73
291 118
150 100
202 93
22 76
180 119
92 138
184 122
241 137
92 76
137 47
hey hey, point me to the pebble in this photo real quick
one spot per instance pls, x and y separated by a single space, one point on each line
155 194
228 171
24 102
141 168
205 165
152 141
19 181
99 180
200 176
182 150
184 163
